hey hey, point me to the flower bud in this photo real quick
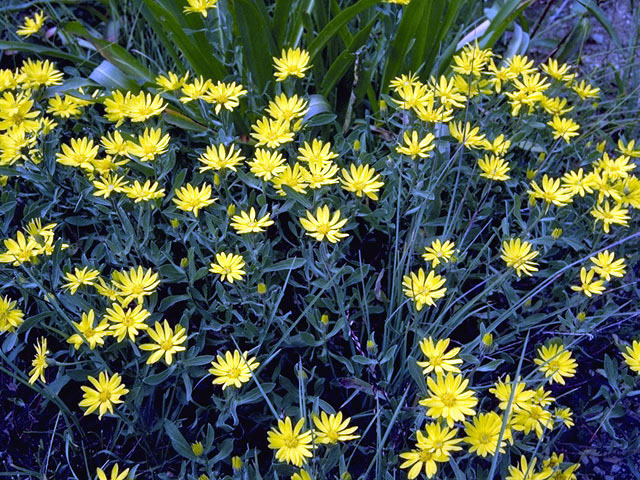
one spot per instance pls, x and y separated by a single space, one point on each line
236 463
196 448
262 288
231 209
356 145
556 233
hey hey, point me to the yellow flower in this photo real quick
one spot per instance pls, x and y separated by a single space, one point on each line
287 108
192 199
64 107
80 154
628 149
606 266
39 362
449 398
588 285
271 133
518 255
291 62
292 177
577 183
230 266
331 429
423 456
10 316
439 252
114 144
135 284
414 146
195 90
150 144
292 445
471 60
31 26
168 342
266 164
632 356
414 96
17 112
248 223
129 322
80 277
236 463
301 475
533 418
423 289
564 128
104 396
219 158
197 448
494 168
483 433
108 184
361 179
40 73
556 362
318 152
318 174
468 136
20 250
503 392
448 93
116 474
171 81
116 108
92 335
610 215
551 192
438 359
439 439
323 226
564 415
143 192
200 6
558 71
233 369
143 106
585 91
225 95
527 472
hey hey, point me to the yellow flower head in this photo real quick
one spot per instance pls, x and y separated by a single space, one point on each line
31 26
483 432
249 223
518 254
292 444
291 63
449 398
200 6
323 226
220 158
556 362
423 289
631 356
39 362
438 359
192 199
105 394
233 369
230 267
166 342
361 179
93 335
10 316
331 429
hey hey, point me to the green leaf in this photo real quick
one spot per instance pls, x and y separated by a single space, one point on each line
289 264
109 76
112 52
334 26
597 12
185 34
256 39
45 52
177 440
346 59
